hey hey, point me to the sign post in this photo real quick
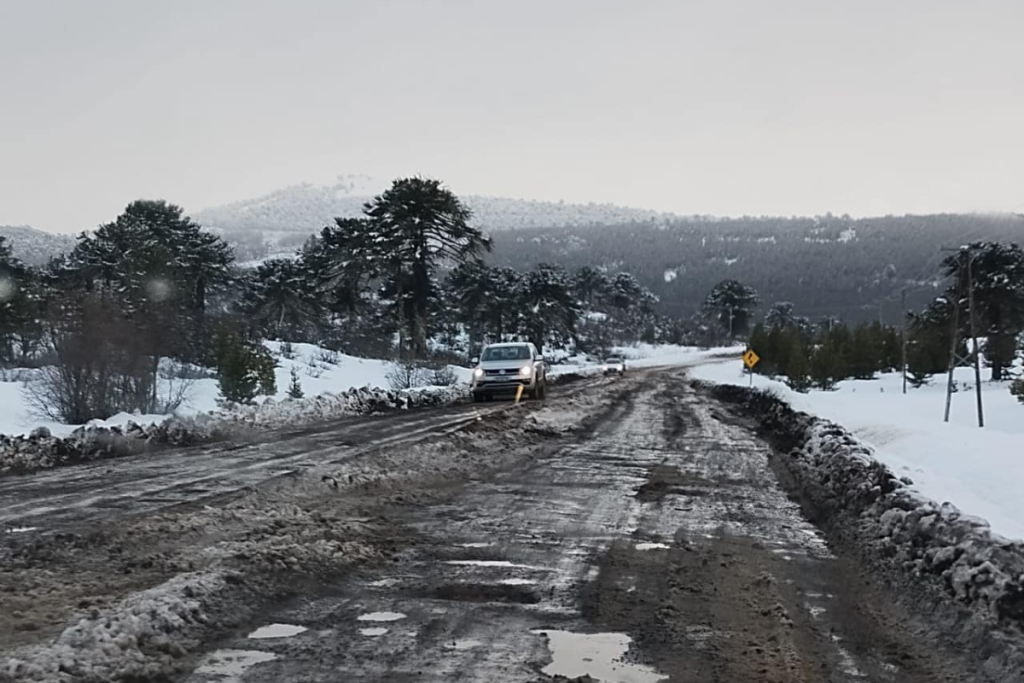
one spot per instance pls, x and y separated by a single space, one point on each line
750 359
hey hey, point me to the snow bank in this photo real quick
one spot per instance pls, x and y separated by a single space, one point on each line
135 641
933 553
980 470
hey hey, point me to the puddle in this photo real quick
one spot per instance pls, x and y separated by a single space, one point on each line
475 545
373 632
598 655
229 665
381 616
651 546
505 564
516 582
276 631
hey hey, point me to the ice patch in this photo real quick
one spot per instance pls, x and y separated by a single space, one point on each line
516 582
382 583
475 545
381 616
505 564
21 529
651 546
229 665
373 632
598 655
276 631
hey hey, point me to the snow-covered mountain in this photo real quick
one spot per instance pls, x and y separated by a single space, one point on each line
306 208
35 247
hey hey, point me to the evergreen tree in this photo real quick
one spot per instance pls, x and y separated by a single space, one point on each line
589 285
731 305
162 266
827 367
417 225
780 315
281 301
797 377
18 304
997 272
548 305
295 386
864 353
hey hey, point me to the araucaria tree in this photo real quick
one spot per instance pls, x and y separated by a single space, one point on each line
731 304
415 226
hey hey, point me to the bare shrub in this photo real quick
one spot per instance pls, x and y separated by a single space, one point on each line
101 366
405 374
441 376
328 357
287 351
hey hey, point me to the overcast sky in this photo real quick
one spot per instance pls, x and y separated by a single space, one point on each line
722 107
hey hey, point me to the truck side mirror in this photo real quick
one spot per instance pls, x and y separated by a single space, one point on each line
539 357
474 360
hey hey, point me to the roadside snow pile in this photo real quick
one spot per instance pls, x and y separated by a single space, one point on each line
357 401
139 640
920 544
979 470
41 450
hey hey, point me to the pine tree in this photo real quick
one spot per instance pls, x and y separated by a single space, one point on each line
797 377
827 367
780 315
864 353
549 308
418 224
731 304
295 386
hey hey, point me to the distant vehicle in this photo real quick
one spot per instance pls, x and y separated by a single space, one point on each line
614 364
503 368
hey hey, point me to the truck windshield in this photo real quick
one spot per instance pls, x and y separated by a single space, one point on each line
506 353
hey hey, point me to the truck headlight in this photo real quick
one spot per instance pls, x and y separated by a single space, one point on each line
526 371
478 373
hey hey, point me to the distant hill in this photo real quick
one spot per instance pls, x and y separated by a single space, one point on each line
854 268
35 247
286 217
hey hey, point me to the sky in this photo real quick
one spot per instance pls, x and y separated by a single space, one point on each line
726 107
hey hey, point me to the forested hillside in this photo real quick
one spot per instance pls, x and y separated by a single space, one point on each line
853 268
35 247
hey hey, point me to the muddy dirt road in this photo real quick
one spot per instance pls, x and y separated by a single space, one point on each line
657 544
82 496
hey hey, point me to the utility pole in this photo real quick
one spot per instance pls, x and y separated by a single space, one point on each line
965 261
955 337
903 335
974 340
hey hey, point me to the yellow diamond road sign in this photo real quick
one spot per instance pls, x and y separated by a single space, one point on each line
750 358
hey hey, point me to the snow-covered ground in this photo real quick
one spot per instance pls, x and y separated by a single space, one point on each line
981 471
319 372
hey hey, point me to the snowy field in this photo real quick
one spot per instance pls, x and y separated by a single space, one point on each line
981 471
320 372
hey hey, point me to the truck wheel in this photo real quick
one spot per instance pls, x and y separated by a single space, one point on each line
478 397
542 391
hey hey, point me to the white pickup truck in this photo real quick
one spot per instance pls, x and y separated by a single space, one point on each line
503 368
